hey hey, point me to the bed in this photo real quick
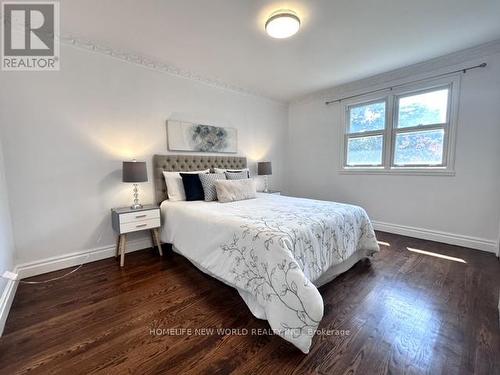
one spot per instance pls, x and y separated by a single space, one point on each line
274 250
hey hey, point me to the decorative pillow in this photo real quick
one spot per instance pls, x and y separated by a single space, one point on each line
175 187
224 170
192 187
208 183
235 190
237 175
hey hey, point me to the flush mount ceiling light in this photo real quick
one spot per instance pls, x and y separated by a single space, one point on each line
282 24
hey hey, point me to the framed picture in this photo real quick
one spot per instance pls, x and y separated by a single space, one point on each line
187 136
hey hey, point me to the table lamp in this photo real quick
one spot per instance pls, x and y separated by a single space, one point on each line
264 168
135 172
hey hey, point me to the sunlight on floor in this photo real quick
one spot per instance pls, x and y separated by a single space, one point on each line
410 324
436 255
384 243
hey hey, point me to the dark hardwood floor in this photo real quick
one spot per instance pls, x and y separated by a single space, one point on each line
403 312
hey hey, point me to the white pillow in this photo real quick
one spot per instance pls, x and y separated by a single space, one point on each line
223 170
237 175
235 190
175 187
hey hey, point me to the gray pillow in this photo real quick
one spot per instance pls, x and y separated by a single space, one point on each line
230 191
208 183
237 175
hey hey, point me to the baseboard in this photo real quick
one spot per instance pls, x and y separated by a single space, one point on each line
75 259
6 302
434 235
57 263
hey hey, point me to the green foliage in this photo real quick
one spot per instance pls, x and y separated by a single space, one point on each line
416 114
365 151
423 147
367 118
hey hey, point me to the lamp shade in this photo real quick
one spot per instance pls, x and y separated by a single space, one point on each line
264 168
134 171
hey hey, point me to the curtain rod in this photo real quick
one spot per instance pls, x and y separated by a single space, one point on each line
465 70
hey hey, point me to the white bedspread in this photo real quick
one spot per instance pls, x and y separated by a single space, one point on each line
272 250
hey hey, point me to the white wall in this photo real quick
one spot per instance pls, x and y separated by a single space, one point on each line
6 238
466 205
7 249
66 133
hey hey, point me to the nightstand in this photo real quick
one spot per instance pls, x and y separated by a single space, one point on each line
273 192
126 220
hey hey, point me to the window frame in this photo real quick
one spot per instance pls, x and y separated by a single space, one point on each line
372 133
391 97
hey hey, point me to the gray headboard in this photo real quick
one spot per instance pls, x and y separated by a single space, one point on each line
174 163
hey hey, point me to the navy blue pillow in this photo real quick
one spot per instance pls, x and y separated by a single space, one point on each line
192 187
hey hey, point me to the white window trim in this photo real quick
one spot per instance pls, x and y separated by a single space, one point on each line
448 168
347 135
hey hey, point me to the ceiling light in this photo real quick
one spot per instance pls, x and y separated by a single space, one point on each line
282 24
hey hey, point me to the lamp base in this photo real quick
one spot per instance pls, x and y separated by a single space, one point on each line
136 205
266 184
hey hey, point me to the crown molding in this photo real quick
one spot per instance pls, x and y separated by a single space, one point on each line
419 70
160 66
147 62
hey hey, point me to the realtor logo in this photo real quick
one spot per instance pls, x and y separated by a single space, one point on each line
30 35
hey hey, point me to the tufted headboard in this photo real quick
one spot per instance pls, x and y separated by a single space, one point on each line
175 163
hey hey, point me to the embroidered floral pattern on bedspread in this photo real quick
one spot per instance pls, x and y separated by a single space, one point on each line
276 255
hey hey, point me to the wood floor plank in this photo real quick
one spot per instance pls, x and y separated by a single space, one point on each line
400 312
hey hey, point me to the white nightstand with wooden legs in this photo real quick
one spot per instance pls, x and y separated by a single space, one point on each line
127 220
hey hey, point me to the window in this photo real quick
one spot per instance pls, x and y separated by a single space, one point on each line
410 130
365 136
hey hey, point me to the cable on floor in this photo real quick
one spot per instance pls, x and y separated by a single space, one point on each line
59 277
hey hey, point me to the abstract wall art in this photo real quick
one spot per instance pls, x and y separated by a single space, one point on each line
187 136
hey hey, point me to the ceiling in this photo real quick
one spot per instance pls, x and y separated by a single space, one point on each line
339 41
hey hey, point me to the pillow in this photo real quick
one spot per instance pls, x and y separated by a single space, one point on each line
192 187
235 190
224 170
175 188
237 175
208 183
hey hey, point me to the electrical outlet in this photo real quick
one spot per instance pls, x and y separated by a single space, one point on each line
10 275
